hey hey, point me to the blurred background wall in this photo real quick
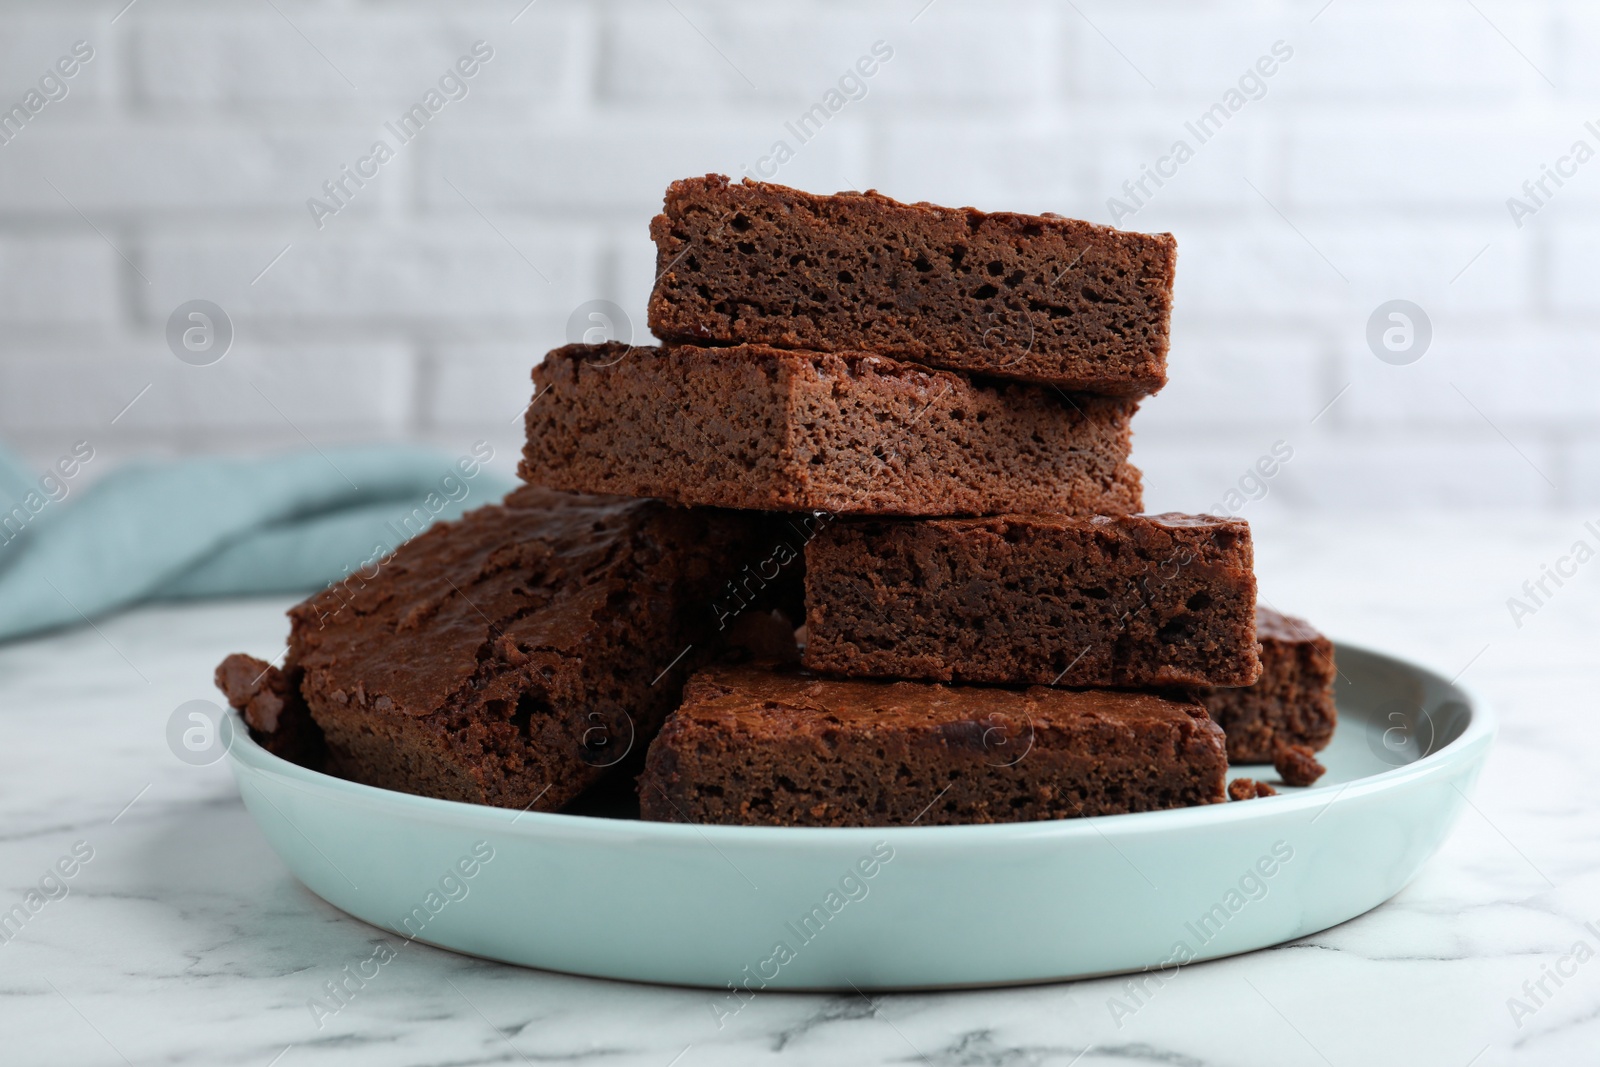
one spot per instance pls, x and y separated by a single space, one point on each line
1341 156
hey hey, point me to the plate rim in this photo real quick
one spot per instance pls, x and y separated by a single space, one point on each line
244 752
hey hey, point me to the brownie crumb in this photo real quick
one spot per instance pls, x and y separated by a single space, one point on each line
1297 765
1249 789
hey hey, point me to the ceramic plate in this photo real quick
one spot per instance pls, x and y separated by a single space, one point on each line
900 907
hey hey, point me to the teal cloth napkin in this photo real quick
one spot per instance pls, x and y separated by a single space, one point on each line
216 526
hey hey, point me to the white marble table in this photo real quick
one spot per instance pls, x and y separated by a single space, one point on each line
184 939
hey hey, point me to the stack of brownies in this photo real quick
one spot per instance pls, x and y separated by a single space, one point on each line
859 545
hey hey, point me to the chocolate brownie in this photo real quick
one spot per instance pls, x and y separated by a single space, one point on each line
513 656
268 699
1290 704
782 748
1133 600
1038 298
846 432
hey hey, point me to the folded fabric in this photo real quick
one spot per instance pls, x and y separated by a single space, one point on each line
217 526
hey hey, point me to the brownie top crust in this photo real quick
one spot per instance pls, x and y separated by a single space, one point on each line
1183 521
1275 626
793 702
1227 529
504 584
1032 297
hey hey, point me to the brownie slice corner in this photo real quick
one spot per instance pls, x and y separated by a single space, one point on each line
268 699
1292 703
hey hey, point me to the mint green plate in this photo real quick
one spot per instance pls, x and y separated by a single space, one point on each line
900 907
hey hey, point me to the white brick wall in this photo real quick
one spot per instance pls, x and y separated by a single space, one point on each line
1375 165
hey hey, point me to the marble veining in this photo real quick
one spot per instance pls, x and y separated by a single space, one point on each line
185 941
